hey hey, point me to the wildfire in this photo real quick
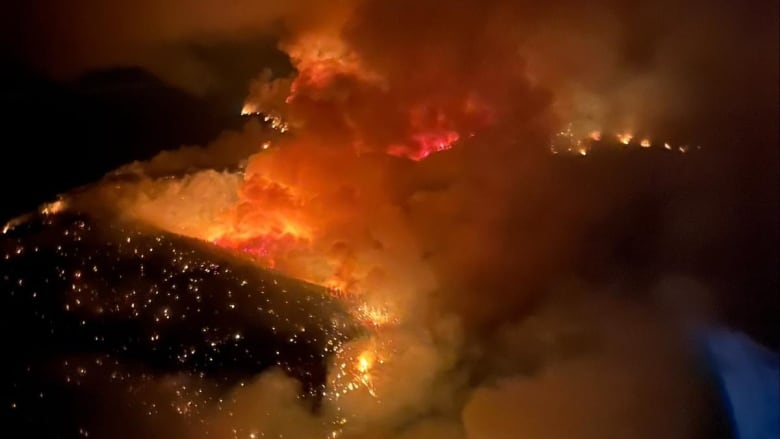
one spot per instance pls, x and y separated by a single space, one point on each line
425 145
295 209
326 206
249 109
54 207
625 138
356 370
276 122
262 246
374 316
309 208
569 141
363 366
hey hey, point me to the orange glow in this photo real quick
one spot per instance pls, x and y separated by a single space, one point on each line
645 143
374 316
53 207
249 109
424 145
267 222
310 207
304 210
595 135
365 361
363 365
625 138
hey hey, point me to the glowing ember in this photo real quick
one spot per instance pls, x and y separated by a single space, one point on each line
356 368
276 122
106 275
363 366
54 207
374 316
625 138
568 141
249 110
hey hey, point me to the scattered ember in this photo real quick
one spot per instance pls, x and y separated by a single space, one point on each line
137 304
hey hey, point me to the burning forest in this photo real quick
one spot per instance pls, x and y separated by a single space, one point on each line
464 220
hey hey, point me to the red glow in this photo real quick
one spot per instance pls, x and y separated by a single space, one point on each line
424 145
264 246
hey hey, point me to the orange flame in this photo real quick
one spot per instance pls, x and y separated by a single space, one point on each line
625 138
